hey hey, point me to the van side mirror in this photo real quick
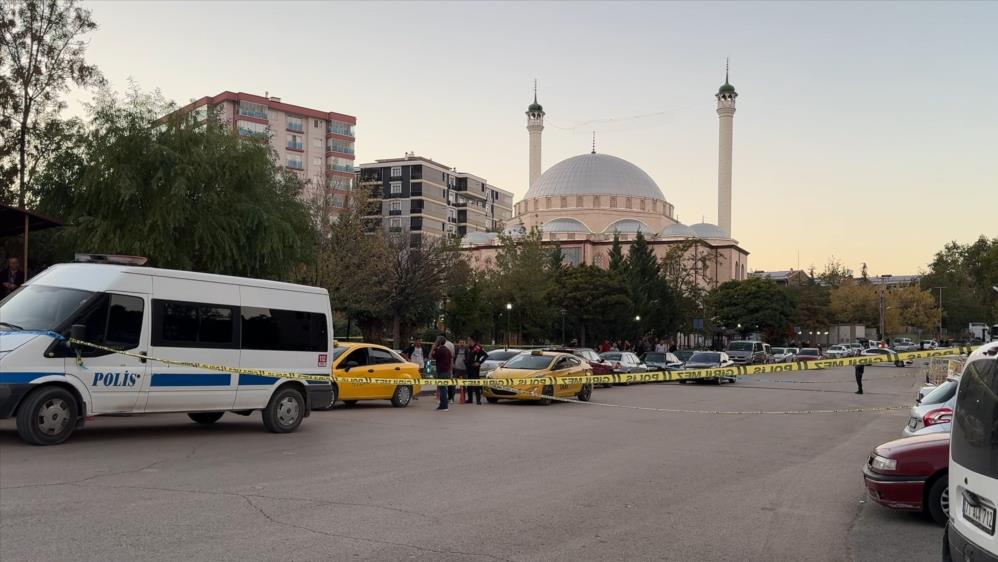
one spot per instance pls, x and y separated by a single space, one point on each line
78 332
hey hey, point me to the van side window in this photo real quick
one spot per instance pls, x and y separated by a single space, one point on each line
283 330
185 324
115 321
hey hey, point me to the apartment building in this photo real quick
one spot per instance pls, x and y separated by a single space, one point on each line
316 145
426 198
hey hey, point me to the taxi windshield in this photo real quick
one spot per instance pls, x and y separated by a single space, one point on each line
37 307
529 362
338 351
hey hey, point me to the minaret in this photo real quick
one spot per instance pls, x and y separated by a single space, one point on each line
726 114
535 124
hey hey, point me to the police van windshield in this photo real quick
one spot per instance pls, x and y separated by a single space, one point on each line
974 441
37 307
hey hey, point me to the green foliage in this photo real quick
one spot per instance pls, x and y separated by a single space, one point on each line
752 302
594 299
967 272
185 195
616 255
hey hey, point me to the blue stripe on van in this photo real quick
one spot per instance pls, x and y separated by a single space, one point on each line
255 380
25 378
170 379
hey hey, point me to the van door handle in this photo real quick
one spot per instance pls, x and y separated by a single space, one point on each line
143 354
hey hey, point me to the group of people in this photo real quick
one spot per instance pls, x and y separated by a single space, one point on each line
461 361
643 345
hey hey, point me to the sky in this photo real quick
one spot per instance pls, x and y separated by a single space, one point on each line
865 132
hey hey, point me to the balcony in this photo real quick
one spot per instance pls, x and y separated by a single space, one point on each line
340 129
459 204
300 147
340 168
341 148
394 229
296 127
416 190
394 212
253 114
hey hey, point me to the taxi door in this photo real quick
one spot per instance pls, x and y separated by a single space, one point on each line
358 367
566 367
384 366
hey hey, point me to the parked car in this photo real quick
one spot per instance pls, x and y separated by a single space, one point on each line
661 361
624 362
875 352
928 344
747 352
541 364
936 408
838 352
911 474
902 345
709 360
784 354
684 354
970 533
599 365
769 352
808 354
363 360
496 358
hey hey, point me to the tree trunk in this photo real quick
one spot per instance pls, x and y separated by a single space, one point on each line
396 331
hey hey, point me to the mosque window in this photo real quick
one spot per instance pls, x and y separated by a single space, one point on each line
596 201
578 201
628 203
642 204
535 204
547 202
613 202
564 202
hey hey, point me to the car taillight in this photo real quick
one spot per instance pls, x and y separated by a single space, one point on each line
938 416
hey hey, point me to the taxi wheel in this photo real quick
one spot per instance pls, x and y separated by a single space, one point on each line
586 393
491 400
402 396
47 417
547 391
205 418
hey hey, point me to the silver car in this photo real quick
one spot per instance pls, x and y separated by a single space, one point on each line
936 408
496 358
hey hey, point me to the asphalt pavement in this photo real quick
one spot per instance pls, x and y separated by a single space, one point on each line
510 481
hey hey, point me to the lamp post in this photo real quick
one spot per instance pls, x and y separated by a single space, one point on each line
563 313
941 312
883 283
509 312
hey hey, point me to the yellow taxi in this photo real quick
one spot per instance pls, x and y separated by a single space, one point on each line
541 364
363 360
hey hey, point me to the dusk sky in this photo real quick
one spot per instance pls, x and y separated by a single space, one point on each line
864 131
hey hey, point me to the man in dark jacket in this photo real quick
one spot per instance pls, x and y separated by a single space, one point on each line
859 379
11 278
476 356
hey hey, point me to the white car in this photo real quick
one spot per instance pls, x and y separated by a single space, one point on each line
496 358
856 348
784 354
877 352
838 352
936 408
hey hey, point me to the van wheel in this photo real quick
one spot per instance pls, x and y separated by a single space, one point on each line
586 393
206 418
491 400
402 396
937 501
48 416
547 391
285 411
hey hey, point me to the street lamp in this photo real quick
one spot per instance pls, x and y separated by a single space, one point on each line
941 311
509 313
883 282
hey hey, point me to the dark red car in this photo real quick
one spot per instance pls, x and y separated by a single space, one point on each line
599 366
808 354
911 474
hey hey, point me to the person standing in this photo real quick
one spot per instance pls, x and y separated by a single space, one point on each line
859 379
444 360
451 390
12 277
461 362
476 356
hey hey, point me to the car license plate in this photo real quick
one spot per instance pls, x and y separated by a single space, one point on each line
913 423
979 514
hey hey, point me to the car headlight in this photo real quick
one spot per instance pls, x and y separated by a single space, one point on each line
884 464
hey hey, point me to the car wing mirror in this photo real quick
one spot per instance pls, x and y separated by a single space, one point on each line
350 365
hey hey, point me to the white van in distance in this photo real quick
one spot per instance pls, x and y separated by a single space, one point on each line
51 387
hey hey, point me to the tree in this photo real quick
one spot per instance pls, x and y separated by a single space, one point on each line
591 298
524 278
616 254
835 274
42 53
967 272
413 278
752 302
655 308
186 195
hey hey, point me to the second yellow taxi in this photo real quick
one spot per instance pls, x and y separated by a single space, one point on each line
541 364
361 360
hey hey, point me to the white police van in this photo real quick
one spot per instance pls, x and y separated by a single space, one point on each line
973 463
52 387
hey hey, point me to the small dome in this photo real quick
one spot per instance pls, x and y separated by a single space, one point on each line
726 89
534 107
595 174
707 230
677 230
628 226
515 229
479 239
565 225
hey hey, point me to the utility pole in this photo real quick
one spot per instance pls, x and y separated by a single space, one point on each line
883 283
940 313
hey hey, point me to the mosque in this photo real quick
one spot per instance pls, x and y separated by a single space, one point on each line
583 202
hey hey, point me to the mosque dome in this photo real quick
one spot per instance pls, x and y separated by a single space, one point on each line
595 174
677 230
628 226
479 239
565 225
706 230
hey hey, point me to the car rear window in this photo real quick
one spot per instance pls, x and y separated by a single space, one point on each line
502 355
941 393
974 441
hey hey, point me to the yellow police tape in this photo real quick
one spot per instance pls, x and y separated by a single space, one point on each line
658 376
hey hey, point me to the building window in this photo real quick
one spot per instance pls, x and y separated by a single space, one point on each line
547 202
395 208
396 172
295 142
340 128
315 123
252 130
396 187
627 202
295 123
654 205
295 163
334 164
578 201
564 202
343 184
535 204
251 109
338 201
395 225
642 203
344 147
613 202
596 201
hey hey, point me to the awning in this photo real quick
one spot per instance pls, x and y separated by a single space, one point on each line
12 221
